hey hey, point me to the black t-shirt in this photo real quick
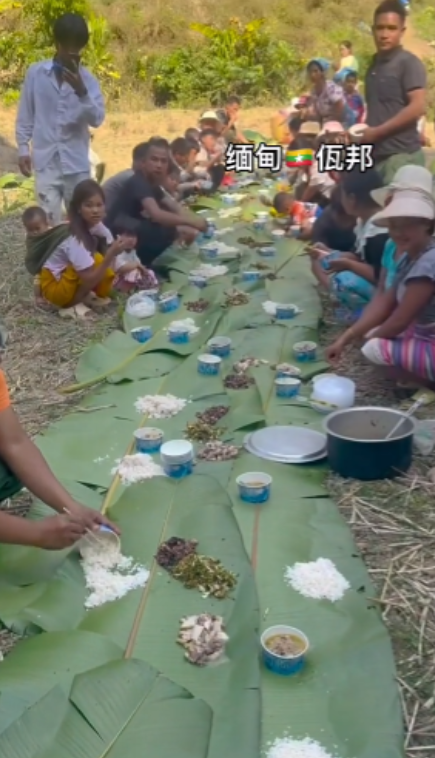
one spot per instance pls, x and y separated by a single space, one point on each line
373 250
388 81
128 210
326 231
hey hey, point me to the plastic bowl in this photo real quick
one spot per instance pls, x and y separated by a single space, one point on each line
177 458
251 276
254 487
168 302
148 440
318 377
141 333
220 346
198 281
286 311
104 535
287 386
267 252
286 370
209 251
262 216
278 234
228 199
295 230
153 294
209 364
178 336
277 663
259 224
305 351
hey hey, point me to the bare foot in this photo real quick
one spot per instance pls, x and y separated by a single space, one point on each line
93 301
41 302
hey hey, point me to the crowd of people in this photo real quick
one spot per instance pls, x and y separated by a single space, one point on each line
369 233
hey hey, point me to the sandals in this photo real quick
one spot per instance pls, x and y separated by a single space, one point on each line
80 311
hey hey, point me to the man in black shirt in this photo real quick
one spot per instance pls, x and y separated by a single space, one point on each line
395 91
147 211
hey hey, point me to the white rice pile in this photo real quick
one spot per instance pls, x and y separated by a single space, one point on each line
318 579
208 270
108 574
270 307
229 212
160 406
306 748
183 324
136 468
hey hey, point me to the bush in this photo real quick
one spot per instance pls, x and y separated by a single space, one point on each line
242 59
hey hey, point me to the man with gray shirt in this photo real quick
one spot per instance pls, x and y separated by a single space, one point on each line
59 101
395 91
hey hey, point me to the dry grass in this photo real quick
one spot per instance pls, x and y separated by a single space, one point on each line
393 523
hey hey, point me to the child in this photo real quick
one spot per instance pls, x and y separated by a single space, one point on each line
171 183
184 153
131 275
355 111
35 222
210 157
192 134
347 58
334 228
77 273
297 213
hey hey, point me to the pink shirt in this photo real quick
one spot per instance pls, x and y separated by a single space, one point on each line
73 253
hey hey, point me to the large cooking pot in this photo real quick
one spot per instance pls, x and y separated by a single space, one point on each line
357 447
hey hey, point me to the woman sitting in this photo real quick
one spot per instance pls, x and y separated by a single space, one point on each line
78 272
352 277
327 100
399 325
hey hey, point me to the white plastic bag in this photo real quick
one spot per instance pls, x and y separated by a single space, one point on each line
424 437
140 306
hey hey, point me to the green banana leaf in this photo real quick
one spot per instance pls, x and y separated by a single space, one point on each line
112 710
334 700
256 137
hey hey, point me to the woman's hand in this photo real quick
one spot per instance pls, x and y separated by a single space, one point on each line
117 246
334 352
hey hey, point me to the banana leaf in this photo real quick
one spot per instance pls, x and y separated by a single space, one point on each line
255 137
111 710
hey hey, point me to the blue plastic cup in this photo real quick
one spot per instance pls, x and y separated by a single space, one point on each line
254 487
284 666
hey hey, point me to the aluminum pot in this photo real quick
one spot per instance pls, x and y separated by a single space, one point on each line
357 447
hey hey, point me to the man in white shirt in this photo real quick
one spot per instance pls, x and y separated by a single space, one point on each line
59 101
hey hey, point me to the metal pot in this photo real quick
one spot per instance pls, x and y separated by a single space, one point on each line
357 447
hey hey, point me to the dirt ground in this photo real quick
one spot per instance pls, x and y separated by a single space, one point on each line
393 522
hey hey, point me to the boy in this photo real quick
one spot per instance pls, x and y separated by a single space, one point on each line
210 157
354 101
35 221
184 153
192 134
228 116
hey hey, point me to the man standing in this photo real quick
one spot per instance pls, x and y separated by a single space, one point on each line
59 101
395 92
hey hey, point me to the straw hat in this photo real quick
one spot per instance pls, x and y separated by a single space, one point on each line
406 203
414 178
311 128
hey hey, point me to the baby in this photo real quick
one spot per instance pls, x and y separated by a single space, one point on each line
131 275
298 213
35 222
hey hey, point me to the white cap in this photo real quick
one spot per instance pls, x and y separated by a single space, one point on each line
209 116
406 203
410 177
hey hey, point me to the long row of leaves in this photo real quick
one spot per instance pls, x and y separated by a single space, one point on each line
87 683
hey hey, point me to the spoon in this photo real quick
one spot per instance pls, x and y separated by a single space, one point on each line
414 407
